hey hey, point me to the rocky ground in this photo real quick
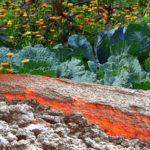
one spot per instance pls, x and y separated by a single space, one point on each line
27 125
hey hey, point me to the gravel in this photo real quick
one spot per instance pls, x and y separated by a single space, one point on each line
27 125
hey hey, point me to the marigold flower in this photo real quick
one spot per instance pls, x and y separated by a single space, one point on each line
2 10
1 68
65 13
25 60
122 13
9 23
43 5
4 64
134 8
10 70
10 54
54 35
114 15
38 35
134 17
11 37
70 4
25 14
52 30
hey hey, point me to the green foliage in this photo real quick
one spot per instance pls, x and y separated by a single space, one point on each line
64 54
147 64
36 53
39 67
143 85
122 70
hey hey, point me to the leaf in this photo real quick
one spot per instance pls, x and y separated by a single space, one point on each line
102 48
143 55
64 54
79 41
124 47
135 33
138 34
118 35
147 64
142 85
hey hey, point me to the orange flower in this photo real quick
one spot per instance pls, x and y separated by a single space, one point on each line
70 4
41 22
10 70
134 17
17 9
43 26
65 13
52 30
36 32
81 23
2 10
78 16
38 35
4 64
3 4
54 35
43 5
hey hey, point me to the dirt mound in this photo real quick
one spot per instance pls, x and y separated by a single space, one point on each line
27 125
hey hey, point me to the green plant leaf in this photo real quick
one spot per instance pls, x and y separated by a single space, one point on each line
147 64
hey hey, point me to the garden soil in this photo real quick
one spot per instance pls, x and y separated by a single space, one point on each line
27 125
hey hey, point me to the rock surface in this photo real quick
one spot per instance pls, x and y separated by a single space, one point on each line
80 115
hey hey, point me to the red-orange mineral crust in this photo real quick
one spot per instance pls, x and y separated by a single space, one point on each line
118 111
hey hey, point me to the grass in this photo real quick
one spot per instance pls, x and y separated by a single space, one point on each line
45 24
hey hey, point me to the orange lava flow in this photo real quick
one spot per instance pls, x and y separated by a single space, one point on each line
113 121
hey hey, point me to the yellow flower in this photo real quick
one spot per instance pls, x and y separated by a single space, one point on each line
134 8
28 32
104 15
38 35
114 15
70 4
96 2
9 23
25 14
118 24
11 37
10 54
1 68
54 35
25 60
122 13
127 16
134 17
64 3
